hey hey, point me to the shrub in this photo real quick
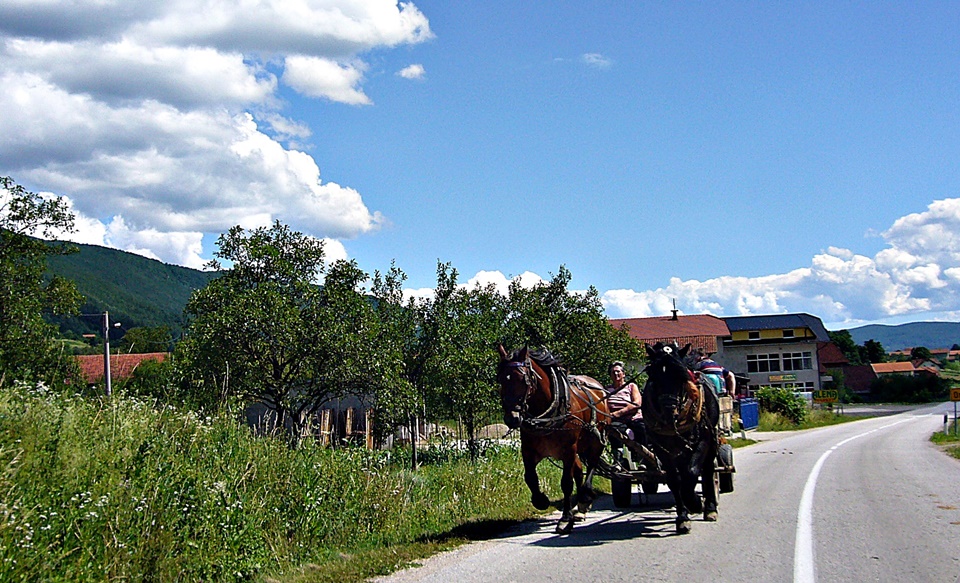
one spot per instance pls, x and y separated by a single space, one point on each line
783 401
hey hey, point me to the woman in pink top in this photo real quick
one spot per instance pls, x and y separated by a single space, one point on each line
624 402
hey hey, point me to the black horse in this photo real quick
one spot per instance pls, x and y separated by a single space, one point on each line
681 417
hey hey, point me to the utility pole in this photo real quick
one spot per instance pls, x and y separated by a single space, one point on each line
106 352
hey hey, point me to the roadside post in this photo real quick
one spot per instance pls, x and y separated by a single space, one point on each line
955 396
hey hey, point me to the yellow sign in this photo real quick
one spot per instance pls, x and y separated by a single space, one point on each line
774 378
826 396
955 394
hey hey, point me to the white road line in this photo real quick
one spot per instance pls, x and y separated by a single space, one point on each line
804 569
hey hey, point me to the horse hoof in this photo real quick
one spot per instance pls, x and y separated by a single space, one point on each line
565 526
540 501
584 507
683 526
578 516
710 516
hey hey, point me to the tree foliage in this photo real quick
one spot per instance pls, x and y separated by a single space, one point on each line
146 339
265 331
845 342
571 324
462 327
27 350
921 388
921 352
873 352
783 401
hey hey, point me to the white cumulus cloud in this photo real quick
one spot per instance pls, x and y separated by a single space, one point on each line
917 273
415 71
161 120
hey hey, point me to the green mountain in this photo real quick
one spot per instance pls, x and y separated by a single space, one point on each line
932 335
135 290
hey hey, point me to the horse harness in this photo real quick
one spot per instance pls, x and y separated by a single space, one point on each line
556 416
688 416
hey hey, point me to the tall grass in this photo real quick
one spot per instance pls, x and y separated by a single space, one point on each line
118 490
949 439
771 421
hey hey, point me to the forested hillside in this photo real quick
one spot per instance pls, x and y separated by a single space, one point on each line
137 291
929 334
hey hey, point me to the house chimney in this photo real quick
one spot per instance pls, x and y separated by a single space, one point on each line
674 310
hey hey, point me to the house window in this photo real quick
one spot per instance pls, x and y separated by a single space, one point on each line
797 360
788 333
763 362
754 335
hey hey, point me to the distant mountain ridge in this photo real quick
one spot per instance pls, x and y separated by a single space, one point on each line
932 335
135 290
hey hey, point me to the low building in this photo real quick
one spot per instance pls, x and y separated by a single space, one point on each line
121 365
781 350
906 368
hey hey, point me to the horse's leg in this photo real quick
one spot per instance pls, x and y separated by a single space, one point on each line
571 468
709 489
530 460
688 487
585 493
675 483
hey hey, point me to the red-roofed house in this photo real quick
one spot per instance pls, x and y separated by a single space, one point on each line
705 332
889 368
121 365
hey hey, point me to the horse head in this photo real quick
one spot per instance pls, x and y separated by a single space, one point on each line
669 379
519 381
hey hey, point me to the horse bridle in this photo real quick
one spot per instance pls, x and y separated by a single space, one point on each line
528 373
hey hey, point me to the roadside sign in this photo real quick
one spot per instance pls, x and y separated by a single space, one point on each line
826 396
955 394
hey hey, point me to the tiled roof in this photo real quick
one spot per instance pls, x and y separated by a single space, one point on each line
893 367
778 321
121 365
701 330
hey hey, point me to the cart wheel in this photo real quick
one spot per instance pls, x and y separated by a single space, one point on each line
726 482
622 491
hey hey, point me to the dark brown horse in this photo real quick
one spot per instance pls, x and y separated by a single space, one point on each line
681 417
559 416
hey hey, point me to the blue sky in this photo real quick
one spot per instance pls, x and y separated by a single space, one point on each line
737 157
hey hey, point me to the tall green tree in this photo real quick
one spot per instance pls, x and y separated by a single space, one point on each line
921 352
27 350
845 342
872 352
146 339
463 326
399 348
265 331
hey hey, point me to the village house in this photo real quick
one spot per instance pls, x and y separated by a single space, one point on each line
121 365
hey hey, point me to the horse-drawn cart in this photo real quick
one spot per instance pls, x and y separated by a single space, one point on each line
625 469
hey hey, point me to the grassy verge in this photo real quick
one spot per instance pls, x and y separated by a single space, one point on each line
950 440
117 490
741 442
815 418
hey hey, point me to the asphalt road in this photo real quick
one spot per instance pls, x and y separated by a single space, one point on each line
871 500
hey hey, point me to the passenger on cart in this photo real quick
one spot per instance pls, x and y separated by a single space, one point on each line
624 405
